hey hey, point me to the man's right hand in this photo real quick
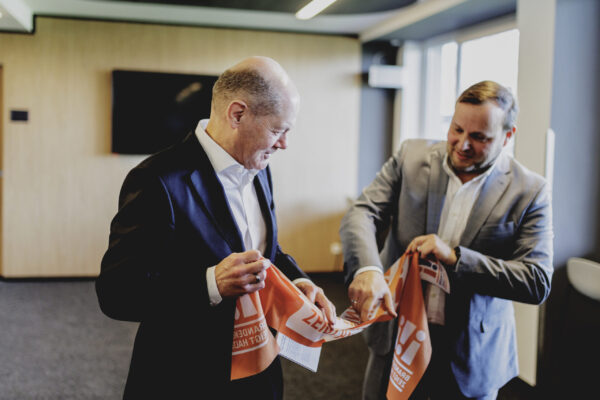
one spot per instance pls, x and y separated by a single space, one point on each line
241 273
367 291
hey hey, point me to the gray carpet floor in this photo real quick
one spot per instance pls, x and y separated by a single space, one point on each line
55 344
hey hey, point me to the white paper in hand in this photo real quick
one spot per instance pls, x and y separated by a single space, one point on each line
306 356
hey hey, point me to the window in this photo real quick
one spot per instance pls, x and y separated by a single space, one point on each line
493 57
451 63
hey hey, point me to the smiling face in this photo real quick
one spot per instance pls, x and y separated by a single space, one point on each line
259 136
476 138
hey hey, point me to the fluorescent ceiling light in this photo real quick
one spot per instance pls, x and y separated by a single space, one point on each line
313 8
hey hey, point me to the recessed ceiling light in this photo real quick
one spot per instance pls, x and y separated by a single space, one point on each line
313 8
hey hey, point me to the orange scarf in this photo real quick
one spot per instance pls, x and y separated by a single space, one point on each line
283 307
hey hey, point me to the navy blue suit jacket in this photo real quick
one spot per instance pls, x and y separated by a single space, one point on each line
173 223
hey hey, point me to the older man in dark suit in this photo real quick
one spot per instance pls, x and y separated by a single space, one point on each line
195 230
485 217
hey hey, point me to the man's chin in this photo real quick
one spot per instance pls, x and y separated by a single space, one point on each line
261 165
460 165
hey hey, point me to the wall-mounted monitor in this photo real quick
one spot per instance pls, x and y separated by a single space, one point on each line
153 110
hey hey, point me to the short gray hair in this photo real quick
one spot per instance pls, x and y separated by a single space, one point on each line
250 86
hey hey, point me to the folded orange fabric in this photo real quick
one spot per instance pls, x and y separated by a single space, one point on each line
283 307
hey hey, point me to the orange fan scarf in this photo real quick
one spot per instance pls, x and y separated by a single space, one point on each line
283 307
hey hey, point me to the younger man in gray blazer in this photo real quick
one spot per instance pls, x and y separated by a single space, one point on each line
485 217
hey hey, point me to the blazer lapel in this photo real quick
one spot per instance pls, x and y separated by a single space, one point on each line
492 190
263 193
211 194
438 184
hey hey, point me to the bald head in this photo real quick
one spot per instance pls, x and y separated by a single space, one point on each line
258 81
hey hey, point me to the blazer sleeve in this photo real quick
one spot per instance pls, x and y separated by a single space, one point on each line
288 265
141 274
370 215
526 275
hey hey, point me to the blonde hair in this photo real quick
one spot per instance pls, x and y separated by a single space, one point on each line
484 91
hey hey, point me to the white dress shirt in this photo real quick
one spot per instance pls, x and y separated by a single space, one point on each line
458 204
459 201
242 199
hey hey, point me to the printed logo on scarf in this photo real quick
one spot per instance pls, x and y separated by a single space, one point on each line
250 330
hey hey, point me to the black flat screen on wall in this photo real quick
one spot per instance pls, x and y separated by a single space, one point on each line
153 110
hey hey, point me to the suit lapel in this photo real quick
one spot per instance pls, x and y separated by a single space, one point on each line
209 189
263 192
438 184
492 190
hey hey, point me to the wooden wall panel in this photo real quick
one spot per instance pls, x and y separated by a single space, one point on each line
61 182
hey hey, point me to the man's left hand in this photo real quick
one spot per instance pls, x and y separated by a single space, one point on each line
432 245
316 295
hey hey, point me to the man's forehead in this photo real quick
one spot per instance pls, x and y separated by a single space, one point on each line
487 111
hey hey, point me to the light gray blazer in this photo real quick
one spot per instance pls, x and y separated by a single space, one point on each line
506 253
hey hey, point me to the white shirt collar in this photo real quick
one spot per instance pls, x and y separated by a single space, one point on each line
222 162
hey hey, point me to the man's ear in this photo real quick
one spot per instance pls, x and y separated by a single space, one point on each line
510 133
235 111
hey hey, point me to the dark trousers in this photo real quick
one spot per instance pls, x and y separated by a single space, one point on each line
438 382
267 385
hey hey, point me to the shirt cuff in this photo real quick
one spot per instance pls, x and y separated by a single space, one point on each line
213 290
368 268
299 280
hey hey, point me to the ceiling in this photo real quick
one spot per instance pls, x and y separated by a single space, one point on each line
368 20
287 6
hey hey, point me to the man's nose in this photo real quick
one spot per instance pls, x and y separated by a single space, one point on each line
282 142
463 143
